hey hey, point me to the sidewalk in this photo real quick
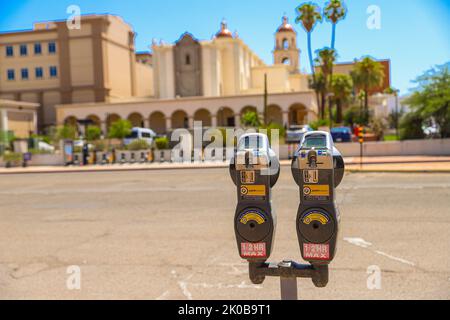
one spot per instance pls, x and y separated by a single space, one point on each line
370 164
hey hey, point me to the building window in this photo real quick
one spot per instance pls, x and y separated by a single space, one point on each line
188 59
11 74
23 50
285 44
24 73
53 72
52 47
39 73
37 48
9 51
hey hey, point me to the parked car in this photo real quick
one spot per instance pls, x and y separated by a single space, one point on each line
43 146
341 134
141 134
295 133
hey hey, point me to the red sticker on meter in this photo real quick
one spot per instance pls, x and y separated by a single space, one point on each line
253 250
316 251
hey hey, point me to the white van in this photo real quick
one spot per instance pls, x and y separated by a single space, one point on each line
140 134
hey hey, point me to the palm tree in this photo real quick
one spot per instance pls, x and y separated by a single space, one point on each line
334 11
342 89
308 15
367 75
325 60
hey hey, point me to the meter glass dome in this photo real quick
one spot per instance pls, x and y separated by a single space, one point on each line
315 142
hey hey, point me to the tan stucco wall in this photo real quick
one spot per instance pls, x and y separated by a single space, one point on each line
144 80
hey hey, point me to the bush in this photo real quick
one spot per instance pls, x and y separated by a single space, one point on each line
251 119
378 127
353 116
67 132
99 145
137 145
411 126
162 143
120 129
315 125
93 133
13 157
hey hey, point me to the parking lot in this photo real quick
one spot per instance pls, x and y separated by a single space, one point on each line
168 234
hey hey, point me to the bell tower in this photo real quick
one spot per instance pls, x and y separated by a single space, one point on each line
286 51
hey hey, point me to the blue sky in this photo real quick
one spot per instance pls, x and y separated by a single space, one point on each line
414 34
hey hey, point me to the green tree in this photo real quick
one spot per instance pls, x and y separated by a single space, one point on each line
411 126
325 59
367 75
308 15
67 132
93 133
342 89
251 119
120 129
431 98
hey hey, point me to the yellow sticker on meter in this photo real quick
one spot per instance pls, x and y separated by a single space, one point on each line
253 191
315 216
252 216
316 190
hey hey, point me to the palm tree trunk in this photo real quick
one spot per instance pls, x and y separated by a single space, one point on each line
311 63
333 35
338 111
366 105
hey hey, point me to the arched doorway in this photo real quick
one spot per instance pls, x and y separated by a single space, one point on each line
204 116
110 119
225 117
158 122
71 121
297 114
136 119
180 120
95 120
274 114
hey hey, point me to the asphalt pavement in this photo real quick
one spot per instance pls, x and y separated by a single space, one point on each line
168 234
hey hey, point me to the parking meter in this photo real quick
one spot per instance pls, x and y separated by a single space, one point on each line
254 170
318 168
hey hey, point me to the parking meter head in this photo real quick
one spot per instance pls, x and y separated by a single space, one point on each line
254 170
317 169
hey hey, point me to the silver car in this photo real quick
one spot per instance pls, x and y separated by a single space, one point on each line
295 133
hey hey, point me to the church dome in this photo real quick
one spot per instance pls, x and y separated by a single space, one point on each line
285 26
224 32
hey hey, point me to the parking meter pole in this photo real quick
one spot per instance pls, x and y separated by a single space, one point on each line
288 288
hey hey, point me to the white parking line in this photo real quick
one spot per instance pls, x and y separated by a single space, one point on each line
359 242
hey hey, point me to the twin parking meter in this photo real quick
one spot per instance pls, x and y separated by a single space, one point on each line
254 170
317 168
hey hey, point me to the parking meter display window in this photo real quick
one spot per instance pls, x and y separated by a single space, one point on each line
247 177
253 225
315 141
